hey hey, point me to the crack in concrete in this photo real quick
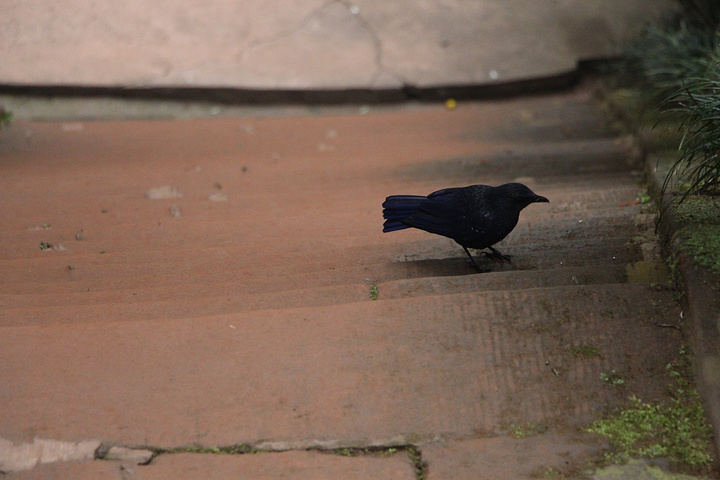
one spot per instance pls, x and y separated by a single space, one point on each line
293 31
355 12
379 68
14 458
413 452
26 456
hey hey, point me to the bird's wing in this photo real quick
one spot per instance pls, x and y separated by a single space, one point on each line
461 214
445 192
437 214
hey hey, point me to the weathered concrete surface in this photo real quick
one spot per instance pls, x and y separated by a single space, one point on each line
541 456
704 309
137 456
25 456
295 465
639 470
318 44
250 319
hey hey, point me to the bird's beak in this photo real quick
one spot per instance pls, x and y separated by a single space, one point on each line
540 199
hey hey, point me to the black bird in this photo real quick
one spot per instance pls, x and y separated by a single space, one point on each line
477 216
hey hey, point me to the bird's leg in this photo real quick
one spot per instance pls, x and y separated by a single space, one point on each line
496 253
472 260
500 257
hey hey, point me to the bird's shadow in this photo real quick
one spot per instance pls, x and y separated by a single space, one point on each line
449 267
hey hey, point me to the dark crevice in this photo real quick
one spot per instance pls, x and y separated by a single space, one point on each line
412 451
318 96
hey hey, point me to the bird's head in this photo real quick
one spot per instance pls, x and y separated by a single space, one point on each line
520 194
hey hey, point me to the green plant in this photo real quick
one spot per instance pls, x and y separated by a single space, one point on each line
420 465
547 473
702 242
705 13
697 169
666 53
5 117
699 210
585 351
413 452
373 292
613 378
676 65
236 449
527 429
677 430
363 451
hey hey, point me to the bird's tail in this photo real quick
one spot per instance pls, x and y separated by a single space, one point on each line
397 208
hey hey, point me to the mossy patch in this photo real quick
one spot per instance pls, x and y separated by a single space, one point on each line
676 430
5 117
648 271
699 209
236 449
586 351
702 242
526 429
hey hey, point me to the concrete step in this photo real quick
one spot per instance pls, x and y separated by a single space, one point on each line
209 298
368 372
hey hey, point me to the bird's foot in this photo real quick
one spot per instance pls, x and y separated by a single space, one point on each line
472 261
499 257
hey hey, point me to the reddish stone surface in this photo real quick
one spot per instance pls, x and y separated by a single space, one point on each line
295 465
188 320
537 456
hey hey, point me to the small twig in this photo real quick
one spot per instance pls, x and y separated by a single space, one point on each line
668 325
